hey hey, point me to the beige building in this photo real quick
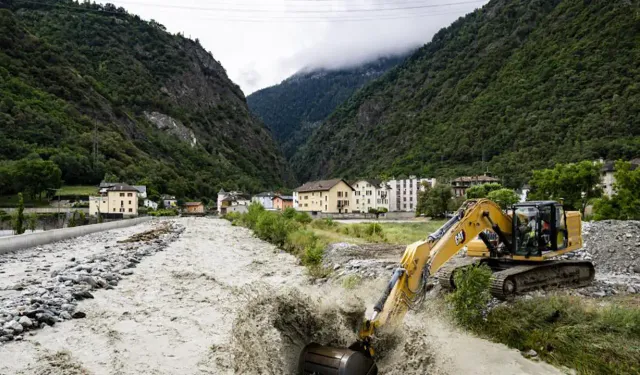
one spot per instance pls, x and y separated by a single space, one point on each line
370 194
115 199
330 196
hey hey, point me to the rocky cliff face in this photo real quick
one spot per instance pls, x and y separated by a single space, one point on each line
165 111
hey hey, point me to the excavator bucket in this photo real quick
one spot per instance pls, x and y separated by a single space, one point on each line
316 359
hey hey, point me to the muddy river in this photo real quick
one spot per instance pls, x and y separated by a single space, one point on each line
219 301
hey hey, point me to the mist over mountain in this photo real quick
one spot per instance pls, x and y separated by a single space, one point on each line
296 106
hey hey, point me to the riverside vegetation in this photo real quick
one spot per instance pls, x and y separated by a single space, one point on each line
592 338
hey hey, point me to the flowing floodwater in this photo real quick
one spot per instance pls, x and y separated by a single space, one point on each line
220 301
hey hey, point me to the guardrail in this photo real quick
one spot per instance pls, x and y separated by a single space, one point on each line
46 210
23 241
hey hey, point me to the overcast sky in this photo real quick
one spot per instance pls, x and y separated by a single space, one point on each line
262 42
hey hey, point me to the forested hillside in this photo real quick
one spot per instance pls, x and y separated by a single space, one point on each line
296 106
95 91
521 84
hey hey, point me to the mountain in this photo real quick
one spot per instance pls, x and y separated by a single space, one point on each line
296 106
101 92
515 85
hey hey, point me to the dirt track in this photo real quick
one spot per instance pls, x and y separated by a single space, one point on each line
216 291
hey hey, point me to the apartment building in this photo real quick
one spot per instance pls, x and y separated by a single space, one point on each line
116 198
404 193
370 194
329 196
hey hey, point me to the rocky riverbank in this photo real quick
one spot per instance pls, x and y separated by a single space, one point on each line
44 288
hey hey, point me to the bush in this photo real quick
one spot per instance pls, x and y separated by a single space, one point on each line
274 227
471 296
373 229
164 212
233 217
351 281
298 241
289 213
602 338
323 223
303 218
250 218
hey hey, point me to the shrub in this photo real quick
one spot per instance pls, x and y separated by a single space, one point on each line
164 212
373 229
313 254
471 296
232 216
289 213
299 240
250 218
323 223
273 227
351 281
303 218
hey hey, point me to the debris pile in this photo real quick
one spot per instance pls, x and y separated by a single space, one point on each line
613 245
42 302
370 261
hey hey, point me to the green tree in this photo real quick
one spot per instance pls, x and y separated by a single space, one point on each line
18 217
377 211
438 200
574 183
423 199
32 221
505 198
476 191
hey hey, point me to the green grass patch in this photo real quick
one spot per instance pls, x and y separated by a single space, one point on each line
11 201
77 190
378 232
406 233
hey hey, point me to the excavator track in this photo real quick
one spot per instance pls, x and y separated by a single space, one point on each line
445 273
516 278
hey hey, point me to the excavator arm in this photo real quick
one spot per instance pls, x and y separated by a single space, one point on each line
407 287
424 258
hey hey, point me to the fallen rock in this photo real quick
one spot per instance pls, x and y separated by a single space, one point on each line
126 272
530 353
25 322
13 325
78 315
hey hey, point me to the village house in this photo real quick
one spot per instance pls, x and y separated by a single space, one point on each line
228 200
169 201
265 199
461 184
194 207
607 175
282 202
327 196
370 194
116 198
404 192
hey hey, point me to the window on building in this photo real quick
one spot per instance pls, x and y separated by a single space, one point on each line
368 201
114 210
325 207
129 202
129 194
405 205
131 210
121 203
122 194
357 201
411 206
404 199
306 205
340 194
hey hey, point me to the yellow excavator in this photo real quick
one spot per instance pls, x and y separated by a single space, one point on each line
519 246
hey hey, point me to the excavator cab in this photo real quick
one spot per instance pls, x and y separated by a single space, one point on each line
538 227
